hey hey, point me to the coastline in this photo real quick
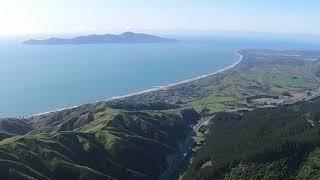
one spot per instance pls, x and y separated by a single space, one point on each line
157 88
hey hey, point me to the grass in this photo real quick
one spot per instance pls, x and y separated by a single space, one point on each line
199 138
131 138
212 99
286 80
213 102
246 81
114 143
278 90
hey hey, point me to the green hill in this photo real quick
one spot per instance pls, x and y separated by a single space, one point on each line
271 143
10 127
92 143
155 134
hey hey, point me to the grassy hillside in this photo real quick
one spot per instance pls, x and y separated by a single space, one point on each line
95 143
147 136
10 127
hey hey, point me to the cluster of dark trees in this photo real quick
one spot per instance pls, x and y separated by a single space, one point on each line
281 137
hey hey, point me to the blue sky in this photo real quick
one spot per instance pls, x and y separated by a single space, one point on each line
28 17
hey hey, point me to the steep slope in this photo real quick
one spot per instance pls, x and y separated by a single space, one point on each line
138 136
88 143
272 143
10 127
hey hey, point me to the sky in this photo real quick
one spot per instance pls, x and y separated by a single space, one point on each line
31 17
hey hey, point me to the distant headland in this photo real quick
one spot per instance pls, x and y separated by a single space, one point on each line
127 37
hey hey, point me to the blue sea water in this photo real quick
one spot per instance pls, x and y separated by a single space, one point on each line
35 79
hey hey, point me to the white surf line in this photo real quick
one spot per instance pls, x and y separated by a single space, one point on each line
178 83
52 111
157 88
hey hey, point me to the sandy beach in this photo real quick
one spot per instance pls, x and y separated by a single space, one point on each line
152 89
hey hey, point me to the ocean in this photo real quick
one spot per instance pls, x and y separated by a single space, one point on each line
36 79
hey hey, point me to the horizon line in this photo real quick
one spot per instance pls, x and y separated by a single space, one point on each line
191 33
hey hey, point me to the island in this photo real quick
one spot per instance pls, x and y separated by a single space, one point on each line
127 37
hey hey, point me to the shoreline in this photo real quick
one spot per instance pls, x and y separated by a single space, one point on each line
157 88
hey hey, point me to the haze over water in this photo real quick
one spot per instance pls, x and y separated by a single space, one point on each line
37 79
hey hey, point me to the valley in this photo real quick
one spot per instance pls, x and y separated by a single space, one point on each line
252 120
